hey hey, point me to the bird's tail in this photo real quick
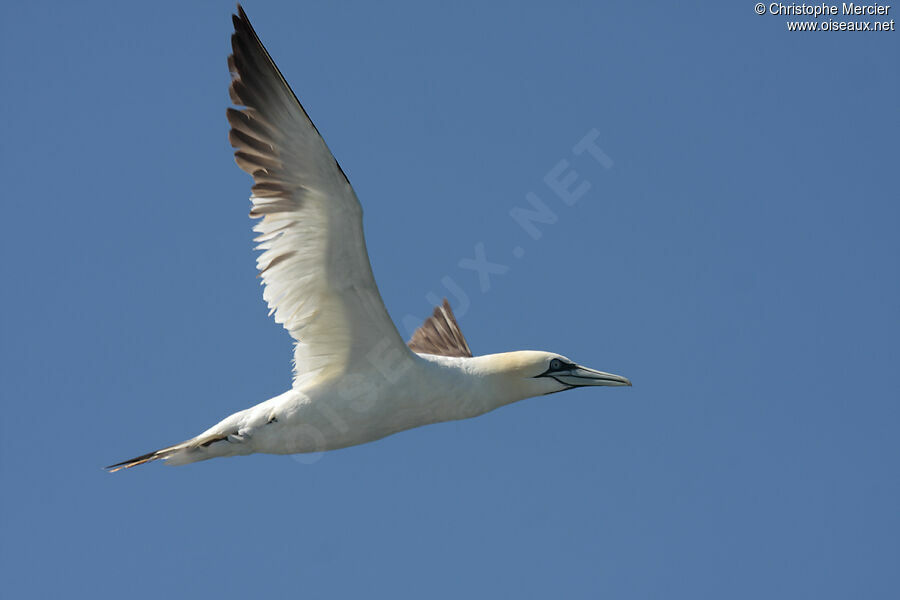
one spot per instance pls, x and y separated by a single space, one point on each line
192 450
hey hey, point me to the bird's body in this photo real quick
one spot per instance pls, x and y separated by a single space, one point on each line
362 407
355 380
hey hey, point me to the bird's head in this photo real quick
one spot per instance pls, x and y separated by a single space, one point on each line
530 373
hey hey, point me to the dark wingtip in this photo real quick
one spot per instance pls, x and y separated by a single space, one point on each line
240 19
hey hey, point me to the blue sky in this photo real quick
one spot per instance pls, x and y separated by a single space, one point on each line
736 257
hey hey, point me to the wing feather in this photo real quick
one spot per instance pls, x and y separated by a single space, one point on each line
314 264
440 334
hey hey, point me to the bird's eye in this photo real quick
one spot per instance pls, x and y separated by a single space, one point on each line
555 364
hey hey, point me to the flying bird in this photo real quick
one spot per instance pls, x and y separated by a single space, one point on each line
355 380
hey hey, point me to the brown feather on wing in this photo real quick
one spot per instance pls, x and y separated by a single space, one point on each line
440 334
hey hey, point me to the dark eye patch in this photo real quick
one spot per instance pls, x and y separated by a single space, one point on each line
555 366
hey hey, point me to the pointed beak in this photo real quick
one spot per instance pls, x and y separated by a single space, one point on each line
581 376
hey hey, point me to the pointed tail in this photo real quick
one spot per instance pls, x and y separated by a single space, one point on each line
145 458
193 450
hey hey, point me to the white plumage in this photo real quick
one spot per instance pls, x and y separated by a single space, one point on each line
355 380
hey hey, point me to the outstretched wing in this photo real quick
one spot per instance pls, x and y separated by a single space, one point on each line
440 334
316 271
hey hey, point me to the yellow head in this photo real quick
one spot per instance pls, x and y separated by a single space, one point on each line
526 373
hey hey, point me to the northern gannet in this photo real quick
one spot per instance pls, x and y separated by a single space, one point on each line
355 380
